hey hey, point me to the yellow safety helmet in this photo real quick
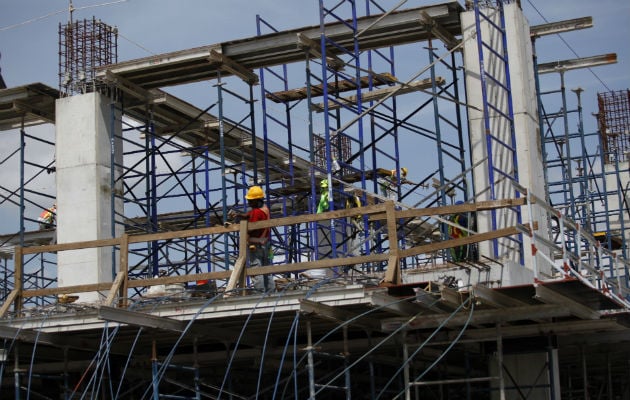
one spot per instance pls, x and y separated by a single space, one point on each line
404 171
255 192
324 183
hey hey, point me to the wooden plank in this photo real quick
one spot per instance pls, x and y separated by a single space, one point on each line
548 295
337 314
392 275
447 244
237 273
178 279
454 209
375 95
90 244
318 264
93 287
493 316
124 268
238 276
120 278
7 303
229 65
495 298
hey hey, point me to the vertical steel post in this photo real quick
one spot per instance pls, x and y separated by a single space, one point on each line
224 209
311 367
16 371
550 366
584 374
500 363
154 371
346 355
405 350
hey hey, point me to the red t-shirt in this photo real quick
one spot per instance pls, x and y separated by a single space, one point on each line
258 214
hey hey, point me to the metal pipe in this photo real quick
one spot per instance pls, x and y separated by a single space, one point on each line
584 374
500 363
311 370
405 349
550 366
16 371
154 371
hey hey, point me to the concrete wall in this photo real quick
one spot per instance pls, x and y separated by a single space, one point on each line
525 111
83 160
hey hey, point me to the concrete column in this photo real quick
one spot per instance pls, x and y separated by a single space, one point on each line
524 102
83 160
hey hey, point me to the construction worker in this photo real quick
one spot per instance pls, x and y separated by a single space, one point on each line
357 221
47 217
323 204
389 183
356 226
259 240
462 222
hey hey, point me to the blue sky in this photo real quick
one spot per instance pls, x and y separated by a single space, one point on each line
29 49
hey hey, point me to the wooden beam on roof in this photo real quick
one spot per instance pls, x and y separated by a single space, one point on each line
140 319
438 30
137 91
495 298
550 296
378 94
228 64
47 338
403 307
314 47
337 314
431 302
549 328
479 317
333 87
185 66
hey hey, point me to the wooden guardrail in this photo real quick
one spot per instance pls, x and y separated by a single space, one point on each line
236 277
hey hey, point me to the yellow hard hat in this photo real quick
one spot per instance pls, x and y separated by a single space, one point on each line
255 192
324 183
404 171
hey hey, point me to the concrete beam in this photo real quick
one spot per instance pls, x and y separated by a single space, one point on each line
577 63
395 305
480 317
140 319
338 315
560 26
186 66
550 296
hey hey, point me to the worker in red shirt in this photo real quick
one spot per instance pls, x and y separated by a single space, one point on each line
259 240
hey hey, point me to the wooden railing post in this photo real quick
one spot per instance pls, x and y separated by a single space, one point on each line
392 275
124 268
15 297
238 274
119 286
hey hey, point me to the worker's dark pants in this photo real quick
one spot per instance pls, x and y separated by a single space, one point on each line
258 257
